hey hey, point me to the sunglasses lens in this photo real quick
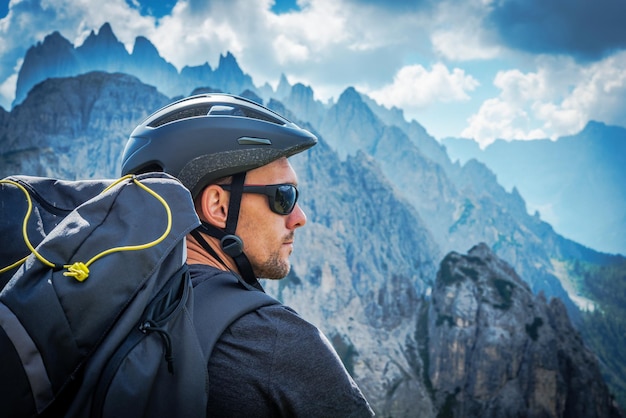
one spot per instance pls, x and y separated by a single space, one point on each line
285 199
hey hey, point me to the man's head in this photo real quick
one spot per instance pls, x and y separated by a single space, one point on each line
205 139
267 235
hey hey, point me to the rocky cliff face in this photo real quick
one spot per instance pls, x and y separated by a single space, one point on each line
76 127
497 350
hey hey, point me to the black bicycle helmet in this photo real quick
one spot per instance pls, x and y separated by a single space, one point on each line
205 137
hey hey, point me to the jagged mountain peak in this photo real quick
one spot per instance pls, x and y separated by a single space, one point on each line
52 45
284 88
76 127
53 39
302 91
54 57
144 47
484 268
105 38
350 96
301 100
106 32
352 124
352 106
229 63
229 77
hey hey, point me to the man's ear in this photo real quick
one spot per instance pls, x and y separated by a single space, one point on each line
212 205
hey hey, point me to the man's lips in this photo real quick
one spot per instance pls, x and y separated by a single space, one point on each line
289 239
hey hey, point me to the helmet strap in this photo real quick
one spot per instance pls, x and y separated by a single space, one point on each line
236 193
231 244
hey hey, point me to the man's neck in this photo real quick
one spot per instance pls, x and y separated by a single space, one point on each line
198 255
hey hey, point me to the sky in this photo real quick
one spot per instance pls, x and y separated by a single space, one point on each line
481 69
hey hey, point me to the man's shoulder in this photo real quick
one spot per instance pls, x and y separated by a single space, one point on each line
282 325
278 321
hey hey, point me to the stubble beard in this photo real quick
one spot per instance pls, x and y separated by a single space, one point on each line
274 268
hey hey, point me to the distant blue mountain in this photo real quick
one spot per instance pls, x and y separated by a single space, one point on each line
57 57
576 183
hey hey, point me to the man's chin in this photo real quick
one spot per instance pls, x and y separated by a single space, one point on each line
277 276
276 273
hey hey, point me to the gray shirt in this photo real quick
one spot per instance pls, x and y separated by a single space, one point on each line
273 363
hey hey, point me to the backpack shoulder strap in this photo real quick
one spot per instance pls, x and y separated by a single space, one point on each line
219 300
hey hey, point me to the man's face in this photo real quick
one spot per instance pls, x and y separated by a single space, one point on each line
267 236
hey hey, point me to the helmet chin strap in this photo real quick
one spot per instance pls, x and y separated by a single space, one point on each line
231 244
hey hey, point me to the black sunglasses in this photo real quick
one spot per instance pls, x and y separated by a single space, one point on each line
282 197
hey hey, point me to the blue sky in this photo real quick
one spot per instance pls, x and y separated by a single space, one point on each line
485 69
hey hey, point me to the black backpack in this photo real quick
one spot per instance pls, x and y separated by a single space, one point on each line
97 307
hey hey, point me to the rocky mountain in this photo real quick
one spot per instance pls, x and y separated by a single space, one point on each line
494 349
75 127
575 182
385 204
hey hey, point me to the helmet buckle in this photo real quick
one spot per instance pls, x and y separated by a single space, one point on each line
232 245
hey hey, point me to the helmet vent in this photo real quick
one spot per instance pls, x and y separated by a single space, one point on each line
189 112
249 113
217 109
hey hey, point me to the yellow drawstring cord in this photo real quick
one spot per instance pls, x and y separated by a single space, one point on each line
80 270
25 230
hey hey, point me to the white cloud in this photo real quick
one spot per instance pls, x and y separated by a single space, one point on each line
601 93
320 24
459 45
75 19
500 119
289 50
7 88
556 100
458 33
264 44
416 87
198 32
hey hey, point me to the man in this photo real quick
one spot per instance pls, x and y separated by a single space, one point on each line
231 153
